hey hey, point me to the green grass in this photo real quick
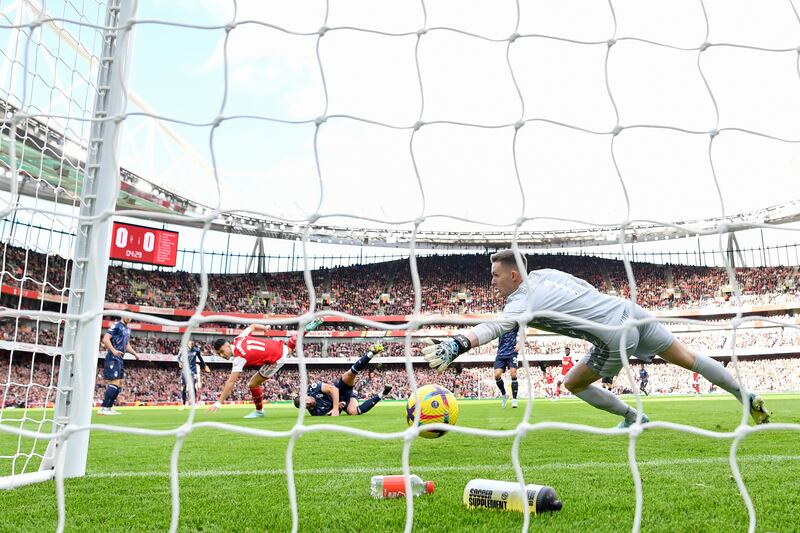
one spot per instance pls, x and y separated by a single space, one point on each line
687 483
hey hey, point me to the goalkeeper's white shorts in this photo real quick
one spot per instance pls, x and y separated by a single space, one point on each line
643 342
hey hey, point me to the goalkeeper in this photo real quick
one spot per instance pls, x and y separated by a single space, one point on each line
587 314
324 399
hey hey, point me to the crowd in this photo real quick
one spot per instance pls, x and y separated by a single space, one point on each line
714 342
31 383
449 284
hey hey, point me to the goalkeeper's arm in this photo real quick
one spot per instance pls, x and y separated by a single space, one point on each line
440 353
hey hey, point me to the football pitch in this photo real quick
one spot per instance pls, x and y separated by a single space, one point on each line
235 482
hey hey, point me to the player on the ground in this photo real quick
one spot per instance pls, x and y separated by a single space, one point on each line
643 377
507 354
325 399
696 383
607 382
117 343
566 365
192 356
586 313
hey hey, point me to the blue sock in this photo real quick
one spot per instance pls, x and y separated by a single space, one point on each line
368 404
514 388
360 365
501 386
110 395
116 393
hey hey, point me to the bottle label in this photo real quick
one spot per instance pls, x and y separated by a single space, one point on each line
504 496
394 486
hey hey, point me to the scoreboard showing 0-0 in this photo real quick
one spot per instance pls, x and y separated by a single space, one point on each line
140 244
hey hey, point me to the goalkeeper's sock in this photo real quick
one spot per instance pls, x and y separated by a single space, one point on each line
109 396
607 401
258 397
368 404
514 388
501 386
361 364
714 372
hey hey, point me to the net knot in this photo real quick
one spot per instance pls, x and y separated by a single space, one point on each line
19 116
617 129
323 30
611 42
421 32
513 37
418 124
705 46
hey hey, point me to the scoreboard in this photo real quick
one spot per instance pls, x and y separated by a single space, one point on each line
141 244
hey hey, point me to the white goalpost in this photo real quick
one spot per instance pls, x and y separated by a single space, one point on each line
64 83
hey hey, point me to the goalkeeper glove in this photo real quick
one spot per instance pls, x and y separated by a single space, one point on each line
439 354
376 348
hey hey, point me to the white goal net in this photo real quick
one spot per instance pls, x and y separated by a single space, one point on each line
49 67
513 104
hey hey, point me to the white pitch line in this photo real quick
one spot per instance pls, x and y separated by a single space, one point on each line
446 468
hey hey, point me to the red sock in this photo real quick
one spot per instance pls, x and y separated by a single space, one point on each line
558 392
258 397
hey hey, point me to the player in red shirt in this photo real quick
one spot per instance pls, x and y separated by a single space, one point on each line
566 365
696 383
249 350
548 377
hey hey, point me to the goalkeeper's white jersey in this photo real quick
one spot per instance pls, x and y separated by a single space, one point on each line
556 291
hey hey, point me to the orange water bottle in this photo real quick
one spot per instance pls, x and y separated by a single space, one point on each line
395 486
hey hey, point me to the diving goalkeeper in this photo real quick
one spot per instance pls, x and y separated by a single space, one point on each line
584 312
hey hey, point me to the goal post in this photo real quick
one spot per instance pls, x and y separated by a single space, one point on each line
90 259
74 395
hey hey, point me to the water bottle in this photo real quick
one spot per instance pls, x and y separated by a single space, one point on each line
506 495
395 486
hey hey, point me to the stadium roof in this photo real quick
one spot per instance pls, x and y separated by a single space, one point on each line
47 172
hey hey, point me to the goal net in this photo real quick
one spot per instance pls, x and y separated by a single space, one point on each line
50 68
474 124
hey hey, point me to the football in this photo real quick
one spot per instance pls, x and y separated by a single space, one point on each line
437 405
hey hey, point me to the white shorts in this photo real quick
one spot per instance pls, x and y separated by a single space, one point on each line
644 343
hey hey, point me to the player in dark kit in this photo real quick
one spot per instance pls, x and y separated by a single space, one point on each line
324 399
643 377
117 343
192 356
507 358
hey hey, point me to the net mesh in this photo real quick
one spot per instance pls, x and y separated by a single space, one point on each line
75 118
47 86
